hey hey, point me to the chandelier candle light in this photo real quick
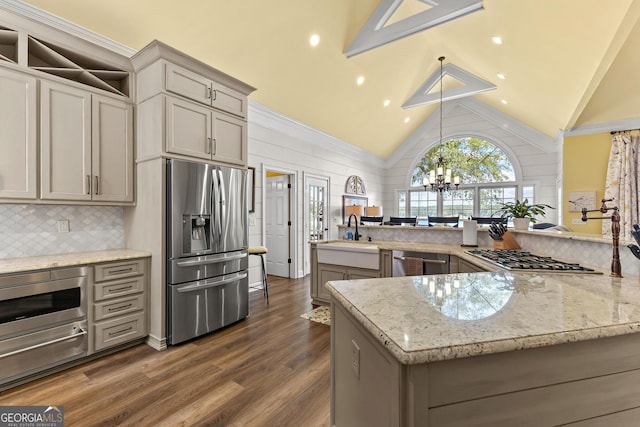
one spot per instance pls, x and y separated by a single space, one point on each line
440 178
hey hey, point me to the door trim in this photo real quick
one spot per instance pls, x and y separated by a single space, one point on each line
306 176
294 272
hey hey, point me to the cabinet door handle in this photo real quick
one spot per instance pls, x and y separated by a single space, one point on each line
88 184
215 146
96 184
208 147
209 92
215 94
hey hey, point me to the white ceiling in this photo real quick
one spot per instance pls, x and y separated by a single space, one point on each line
567 63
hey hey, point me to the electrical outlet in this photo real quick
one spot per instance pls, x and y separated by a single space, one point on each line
63 226
355 359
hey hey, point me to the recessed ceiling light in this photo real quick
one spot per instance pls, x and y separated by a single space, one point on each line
500 76
314 40
504 101
386 102
496 40
407 119
360 80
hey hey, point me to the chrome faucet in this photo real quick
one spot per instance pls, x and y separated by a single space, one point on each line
357 236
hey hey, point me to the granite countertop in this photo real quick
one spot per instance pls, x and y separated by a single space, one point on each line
423 319
17 265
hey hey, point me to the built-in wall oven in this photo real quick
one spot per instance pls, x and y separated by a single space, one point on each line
43 321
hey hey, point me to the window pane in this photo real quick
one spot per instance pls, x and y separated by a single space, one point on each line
423 204
527 193
492 198
402 203
457 203
474 159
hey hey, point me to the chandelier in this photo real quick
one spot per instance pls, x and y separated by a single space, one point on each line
440 178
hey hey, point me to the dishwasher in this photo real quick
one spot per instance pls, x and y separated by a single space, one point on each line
408 263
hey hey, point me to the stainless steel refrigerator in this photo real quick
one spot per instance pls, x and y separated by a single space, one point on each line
207 277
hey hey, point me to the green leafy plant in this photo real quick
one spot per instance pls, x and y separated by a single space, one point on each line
523 209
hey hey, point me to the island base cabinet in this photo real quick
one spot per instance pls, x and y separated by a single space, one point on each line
586 383
365 378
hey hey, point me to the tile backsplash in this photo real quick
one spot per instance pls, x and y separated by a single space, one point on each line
32 230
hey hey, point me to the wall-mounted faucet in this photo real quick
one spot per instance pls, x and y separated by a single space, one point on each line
355 217
616 268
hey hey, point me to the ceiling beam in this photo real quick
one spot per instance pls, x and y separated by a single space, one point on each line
375 33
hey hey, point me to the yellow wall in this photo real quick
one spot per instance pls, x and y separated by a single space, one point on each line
584 167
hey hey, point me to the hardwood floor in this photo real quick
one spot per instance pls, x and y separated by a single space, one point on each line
271 369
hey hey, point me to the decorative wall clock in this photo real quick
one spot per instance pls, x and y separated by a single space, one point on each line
355 185
581 199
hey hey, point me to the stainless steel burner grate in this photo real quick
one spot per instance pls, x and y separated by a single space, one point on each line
526 261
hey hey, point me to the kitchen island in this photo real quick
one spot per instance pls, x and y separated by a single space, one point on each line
492 348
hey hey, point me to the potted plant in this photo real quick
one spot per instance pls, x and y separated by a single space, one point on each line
522 212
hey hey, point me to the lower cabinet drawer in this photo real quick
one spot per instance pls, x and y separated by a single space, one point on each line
119 330
112 308
118 288
118 270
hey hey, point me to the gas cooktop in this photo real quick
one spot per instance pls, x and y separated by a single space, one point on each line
526 261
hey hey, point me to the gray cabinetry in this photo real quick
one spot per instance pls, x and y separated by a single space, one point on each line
86 145
459 265
328 272
119 306
18 162
204 90
322 273
196 110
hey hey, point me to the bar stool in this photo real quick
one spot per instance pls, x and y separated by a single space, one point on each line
261 251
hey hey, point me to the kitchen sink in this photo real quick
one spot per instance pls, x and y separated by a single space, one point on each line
350 254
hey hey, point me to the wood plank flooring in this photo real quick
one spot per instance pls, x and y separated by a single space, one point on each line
271 369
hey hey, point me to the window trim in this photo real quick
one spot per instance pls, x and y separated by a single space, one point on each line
519 183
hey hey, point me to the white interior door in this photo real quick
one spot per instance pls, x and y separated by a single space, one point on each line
277 224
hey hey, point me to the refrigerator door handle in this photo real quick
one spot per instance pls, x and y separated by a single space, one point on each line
211 260
212 283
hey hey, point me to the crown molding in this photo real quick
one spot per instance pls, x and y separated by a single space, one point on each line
36 14
263 116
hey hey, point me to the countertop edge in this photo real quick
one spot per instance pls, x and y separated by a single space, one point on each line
18 265
479 348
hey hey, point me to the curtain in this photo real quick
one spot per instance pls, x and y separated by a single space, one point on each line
622 183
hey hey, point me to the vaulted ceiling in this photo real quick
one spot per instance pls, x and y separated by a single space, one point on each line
566 63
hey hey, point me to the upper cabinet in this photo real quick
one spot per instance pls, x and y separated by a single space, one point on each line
201 89
86 143
18 163
190 110
83 128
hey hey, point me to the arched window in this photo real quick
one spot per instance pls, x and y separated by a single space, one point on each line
487 175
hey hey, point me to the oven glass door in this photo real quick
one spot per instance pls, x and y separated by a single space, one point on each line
36 305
